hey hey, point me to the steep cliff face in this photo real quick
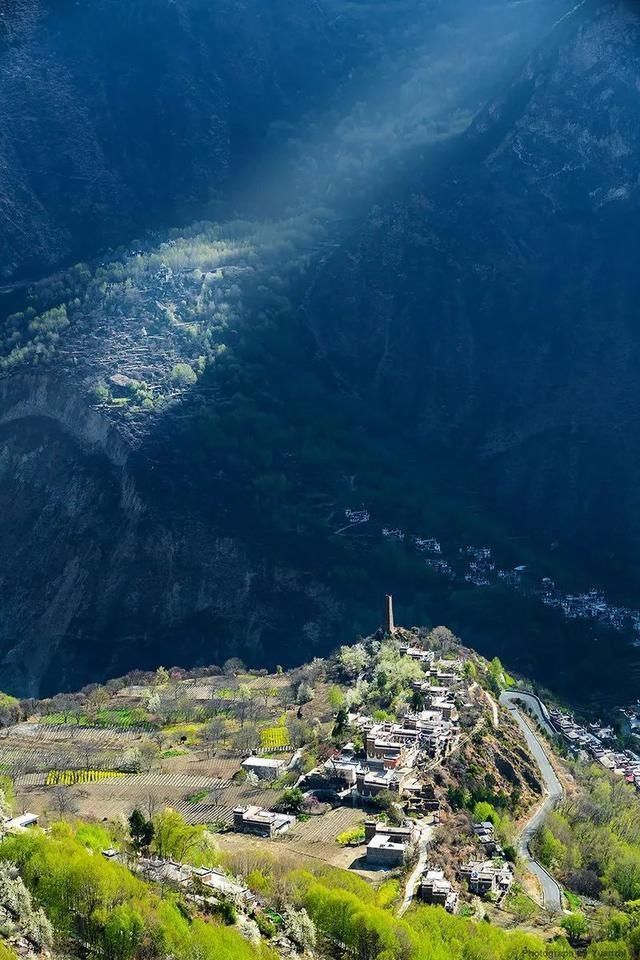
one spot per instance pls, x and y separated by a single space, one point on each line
117 118
492 303
105 568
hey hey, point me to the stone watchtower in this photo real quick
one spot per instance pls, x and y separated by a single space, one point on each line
389 625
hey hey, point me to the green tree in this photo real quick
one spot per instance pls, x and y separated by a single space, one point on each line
576 926
175 839
184 375
9 710
291 800
496 676
470 670
141 831
335 698
161 678
341 721
387 802
353 660
123 932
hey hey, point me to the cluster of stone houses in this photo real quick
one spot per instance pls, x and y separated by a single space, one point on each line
425 731
488 877
363 778
417 653
185 875
599 743
393 750
491 876
485 832
394 754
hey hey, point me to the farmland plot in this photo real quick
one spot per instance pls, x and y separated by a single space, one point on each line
29 735
117 796
313 839
316 838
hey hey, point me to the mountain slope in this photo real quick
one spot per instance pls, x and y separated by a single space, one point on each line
493 306
414 320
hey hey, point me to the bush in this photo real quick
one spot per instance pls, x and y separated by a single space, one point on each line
226 911
387 802
352 837
305 693
183 375
291 800
266 927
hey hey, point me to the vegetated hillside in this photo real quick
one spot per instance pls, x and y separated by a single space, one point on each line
169 745
119 117
492 305
146 770
184 424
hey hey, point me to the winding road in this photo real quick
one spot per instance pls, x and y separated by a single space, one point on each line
551 890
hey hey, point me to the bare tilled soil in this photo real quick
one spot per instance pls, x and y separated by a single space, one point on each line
314 838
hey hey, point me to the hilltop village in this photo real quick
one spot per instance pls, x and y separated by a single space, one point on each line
389 760
406 765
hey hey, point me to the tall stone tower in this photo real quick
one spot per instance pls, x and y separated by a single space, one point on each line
389 625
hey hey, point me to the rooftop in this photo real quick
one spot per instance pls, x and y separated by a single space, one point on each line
266 762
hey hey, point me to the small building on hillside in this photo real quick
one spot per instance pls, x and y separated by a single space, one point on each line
484 830
373 828
262 823
382 851
486 835
417 653
22 822
488 877
372 779
435 890
387 846
265 768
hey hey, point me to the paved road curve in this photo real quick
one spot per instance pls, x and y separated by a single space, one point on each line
551 892
535 705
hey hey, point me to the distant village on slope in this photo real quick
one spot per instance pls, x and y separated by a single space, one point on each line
476 566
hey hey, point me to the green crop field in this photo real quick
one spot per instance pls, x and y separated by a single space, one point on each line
69 778
274 738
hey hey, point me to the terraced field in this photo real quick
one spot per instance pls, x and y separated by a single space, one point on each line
313 839
29 747
72 778
30 735
115 796
61 767
324 829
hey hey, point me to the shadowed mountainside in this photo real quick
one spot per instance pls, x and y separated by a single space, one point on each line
434 318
